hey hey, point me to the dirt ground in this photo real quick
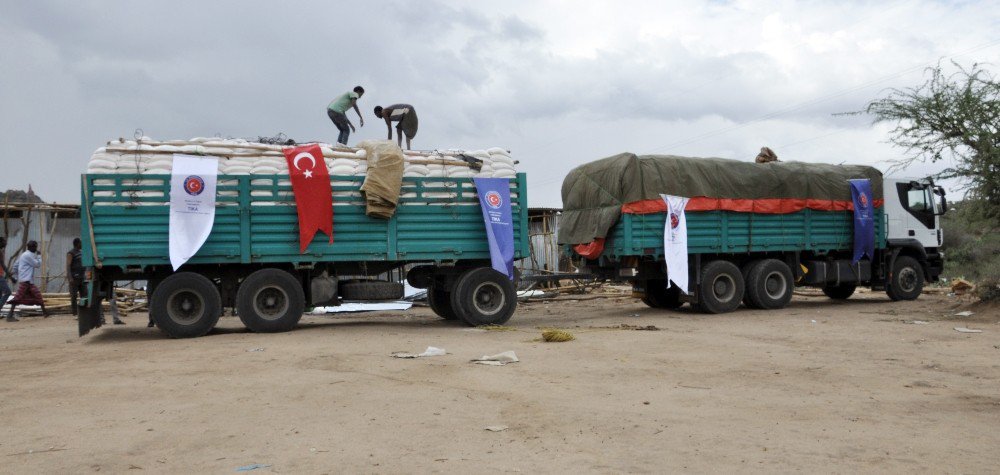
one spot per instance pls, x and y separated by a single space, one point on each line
820 386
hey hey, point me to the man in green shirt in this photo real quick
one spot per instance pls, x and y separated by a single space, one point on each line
337 112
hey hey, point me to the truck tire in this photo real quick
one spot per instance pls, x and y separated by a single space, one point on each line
721 288
769 285
657 295
270 301
483 296
746 278
906 280
840 292
440 302
371 290
186 305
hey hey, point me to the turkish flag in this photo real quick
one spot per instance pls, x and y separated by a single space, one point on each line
311 185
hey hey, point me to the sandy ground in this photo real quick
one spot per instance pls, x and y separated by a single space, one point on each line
817 387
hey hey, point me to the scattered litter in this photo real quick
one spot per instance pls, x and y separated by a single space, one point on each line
961 286
498 359
496 428
812 321
497 328
255 466
633 314
253 350
916 322
967 330
430 351
527 294
653 328
555 335
362 307
966 313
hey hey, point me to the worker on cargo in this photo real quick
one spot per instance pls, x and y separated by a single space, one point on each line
406 115
4 273
337 111
766 155
27 292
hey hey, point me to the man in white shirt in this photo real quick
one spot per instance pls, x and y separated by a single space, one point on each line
27 292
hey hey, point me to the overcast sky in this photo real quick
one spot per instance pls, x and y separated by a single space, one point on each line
559 83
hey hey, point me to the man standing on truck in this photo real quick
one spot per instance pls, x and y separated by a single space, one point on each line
27 291
406 115
337 111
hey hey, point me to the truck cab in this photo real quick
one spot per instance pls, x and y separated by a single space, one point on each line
913 209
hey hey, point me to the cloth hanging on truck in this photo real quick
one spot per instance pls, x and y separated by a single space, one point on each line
384 177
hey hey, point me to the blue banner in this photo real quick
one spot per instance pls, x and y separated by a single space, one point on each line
864 219
494 199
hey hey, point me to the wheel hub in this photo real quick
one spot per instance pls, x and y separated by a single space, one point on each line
185 306
775 285
488 298
271 302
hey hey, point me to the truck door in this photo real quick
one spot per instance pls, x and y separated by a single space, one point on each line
918 216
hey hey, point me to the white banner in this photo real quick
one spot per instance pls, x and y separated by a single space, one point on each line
192 205
675 241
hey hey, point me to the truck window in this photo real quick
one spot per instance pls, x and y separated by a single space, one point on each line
918 200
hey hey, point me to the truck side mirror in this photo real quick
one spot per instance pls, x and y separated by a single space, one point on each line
944 203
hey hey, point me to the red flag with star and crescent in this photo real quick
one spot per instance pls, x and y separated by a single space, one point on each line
311 186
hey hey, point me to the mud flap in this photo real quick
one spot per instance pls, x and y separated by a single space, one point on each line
90 315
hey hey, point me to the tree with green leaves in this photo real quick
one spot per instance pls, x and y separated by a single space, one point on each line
951 115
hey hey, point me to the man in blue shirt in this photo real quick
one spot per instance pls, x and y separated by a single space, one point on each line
27 292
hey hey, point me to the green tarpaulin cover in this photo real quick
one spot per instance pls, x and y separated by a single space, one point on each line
593 193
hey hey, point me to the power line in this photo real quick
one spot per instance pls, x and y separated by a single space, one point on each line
805 104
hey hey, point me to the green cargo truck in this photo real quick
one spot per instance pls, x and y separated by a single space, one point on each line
251 261
754 231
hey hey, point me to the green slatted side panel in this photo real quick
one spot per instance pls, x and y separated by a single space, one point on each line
732 232
256 221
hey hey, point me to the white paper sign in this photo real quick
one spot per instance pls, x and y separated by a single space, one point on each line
675 242
192 205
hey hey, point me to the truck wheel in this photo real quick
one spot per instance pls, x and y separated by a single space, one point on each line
186 305
371 290
270 301
440 302
840 292
657 295
721 288
483 296
746 278
906 280
769 285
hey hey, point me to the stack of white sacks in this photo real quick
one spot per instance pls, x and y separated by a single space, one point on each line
240 157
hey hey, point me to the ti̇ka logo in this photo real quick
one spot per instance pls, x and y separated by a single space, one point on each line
194 185
494 200
863 198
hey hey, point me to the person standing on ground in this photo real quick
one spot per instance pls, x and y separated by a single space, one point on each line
4 273
74 274
406 115
337 112
27 292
